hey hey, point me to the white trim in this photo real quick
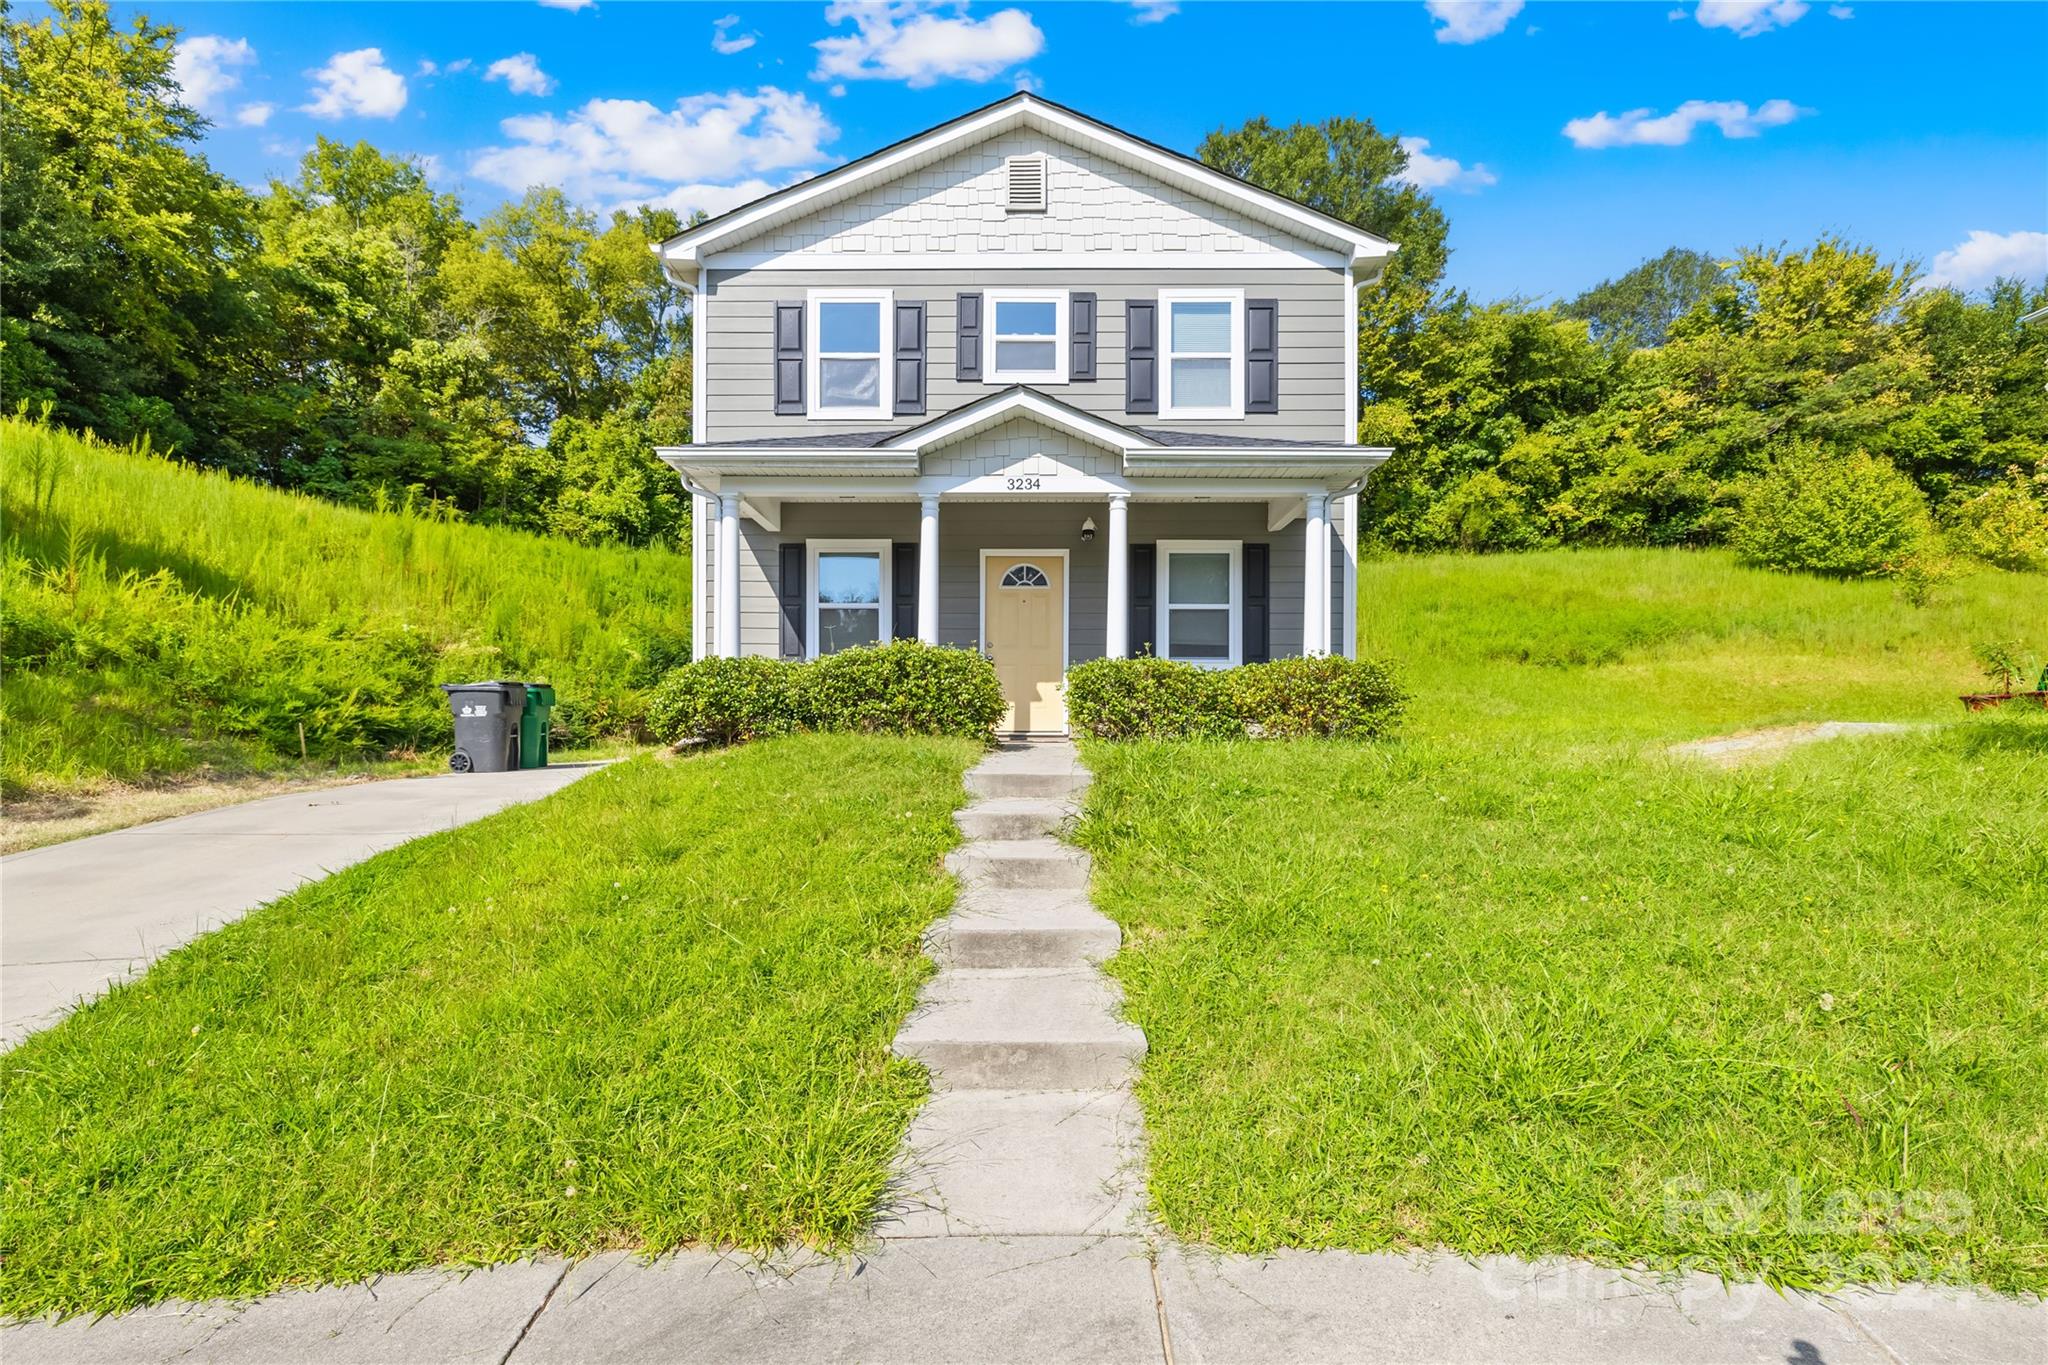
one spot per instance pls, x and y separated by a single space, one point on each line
1167 299
992 302
1066 603
699 348
1352 298
1023 109
814 354
1068 261
997 408
1163 605
885 607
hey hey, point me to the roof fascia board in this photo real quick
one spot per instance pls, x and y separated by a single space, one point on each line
1011 402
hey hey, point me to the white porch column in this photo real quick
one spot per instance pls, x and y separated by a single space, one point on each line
1315 576
700 541
1117 635
928 570
1350 504
729 575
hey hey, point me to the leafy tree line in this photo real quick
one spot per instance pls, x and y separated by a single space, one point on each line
1645 411
348 333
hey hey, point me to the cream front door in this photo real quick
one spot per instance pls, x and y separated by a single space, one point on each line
1024 607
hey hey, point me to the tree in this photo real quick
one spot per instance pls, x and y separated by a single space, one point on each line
1638 308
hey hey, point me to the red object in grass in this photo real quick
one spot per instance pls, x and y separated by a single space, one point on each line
1984 701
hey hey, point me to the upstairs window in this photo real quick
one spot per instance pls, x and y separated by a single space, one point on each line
1204 353
850 375
1030 336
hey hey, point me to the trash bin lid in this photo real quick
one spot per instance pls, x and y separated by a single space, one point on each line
502 688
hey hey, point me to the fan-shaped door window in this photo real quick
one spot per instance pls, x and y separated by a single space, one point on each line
1026 576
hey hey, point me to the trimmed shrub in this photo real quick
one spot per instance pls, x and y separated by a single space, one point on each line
901 688
1323 697
1149 698
904 688
1844 516
2005 526
724 701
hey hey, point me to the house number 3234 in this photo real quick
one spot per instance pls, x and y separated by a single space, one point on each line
1022 485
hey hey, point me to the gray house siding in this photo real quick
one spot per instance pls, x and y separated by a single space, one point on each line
738 402
966 529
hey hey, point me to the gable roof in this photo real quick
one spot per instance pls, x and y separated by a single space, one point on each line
1022 110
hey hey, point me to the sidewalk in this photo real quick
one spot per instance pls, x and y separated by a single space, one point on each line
77 917
1046 1299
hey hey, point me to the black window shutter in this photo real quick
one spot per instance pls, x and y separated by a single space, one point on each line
1262 355
1081 337
903 590
1144 571
789 359
910 359
967 337
1141 355
1258 603
789 593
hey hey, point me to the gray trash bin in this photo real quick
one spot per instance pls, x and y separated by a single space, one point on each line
486 725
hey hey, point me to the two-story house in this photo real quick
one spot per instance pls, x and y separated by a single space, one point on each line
1028 384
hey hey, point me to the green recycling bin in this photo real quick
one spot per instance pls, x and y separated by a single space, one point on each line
533 725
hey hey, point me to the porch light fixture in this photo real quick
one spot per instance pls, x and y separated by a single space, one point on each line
1087 529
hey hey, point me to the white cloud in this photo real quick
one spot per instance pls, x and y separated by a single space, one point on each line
254 115
712 199
705 151
1841 12
1154 11
1984 257
1468 21
522 74
1427 171
356 82
921 43
722 39
567 4
1647 128
204 67
1747 18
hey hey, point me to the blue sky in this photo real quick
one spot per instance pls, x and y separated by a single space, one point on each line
1565 141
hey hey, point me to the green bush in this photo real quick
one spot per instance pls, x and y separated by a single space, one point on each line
1325 697
1149 698
904 688
724 701
900 688
1843 516
2006 526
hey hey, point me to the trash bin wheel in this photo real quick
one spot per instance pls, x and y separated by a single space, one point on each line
459 761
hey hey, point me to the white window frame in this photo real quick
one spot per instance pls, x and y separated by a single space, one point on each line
1163 604
1062 350
815 354
885 610
1167 299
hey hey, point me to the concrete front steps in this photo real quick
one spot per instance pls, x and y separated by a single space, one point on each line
1032 1130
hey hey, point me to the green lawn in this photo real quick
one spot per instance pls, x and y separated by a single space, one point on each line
1521 982
654 1009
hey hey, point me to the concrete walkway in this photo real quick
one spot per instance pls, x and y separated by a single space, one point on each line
1018 1230
76 918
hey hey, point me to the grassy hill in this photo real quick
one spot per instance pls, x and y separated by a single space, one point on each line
155 619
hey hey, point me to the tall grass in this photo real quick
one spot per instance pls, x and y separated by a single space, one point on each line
145 597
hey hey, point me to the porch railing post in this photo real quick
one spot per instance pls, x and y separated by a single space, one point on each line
928 570
1117 636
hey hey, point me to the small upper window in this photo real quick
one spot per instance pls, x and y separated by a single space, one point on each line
1204 354
1026 178
1030 334
849 376
1026 576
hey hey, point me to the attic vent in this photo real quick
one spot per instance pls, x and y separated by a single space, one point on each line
1027 184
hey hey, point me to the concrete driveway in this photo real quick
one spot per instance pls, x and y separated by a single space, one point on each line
76 918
